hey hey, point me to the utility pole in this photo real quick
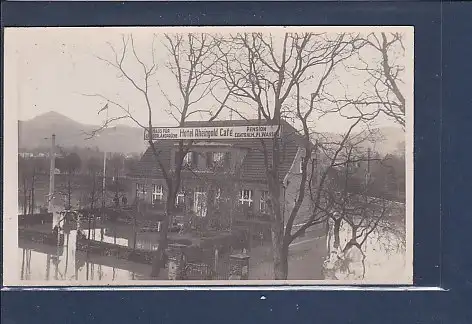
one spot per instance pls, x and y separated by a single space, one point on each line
104 178
52 171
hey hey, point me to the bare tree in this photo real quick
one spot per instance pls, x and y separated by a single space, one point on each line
93 168
23 182
69 165
359 212
35 167
117 165
191 57
382 67
266 71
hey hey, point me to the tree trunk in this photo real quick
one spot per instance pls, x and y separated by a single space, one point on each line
279 246
337 228
158 261
281 261
69 192
279 242
159 258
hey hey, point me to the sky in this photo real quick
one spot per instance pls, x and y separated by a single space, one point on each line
54 69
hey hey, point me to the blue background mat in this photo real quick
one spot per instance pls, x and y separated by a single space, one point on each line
443 134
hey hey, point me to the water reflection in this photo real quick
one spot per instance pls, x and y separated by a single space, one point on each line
385 256
43 262
384 250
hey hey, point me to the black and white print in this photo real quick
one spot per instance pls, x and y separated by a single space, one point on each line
234 156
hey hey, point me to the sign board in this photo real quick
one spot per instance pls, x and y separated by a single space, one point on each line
213 133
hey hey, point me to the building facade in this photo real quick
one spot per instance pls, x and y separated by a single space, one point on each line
224 181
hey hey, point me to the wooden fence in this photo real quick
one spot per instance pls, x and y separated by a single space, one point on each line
41 237
114 250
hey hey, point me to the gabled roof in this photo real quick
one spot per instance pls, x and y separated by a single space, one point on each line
253 166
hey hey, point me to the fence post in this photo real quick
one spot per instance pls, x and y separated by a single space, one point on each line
176 261
239 267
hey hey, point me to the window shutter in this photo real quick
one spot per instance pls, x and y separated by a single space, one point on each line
209 159
194 159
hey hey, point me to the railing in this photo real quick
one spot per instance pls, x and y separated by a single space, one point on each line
198 271
207 270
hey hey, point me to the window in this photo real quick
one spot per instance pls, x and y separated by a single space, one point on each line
180 199
217 197
140 191
245 197
209 160
188 159
264 203
301 164
200 202
218 159
157 193
308 165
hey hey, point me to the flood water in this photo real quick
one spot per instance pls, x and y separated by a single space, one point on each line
40 262
385 257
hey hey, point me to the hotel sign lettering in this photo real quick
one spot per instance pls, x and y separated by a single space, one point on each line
209 133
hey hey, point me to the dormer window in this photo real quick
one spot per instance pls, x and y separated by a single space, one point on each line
187 162
217 160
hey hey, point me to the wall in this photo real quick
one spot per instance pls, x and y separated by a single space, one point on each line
148 186
237 156
292 181
293 177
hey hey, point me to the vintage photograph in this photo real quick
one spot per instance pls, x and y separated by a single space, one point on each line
208 155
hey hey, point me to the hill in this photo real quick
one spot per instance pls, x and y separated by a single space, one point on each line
69 133
126 139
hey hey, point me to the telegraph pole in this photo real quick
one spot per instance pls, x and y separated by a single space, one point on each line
52 170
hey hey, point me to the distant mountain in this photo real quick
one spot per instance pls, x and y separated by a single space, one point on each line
126 139
69 133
